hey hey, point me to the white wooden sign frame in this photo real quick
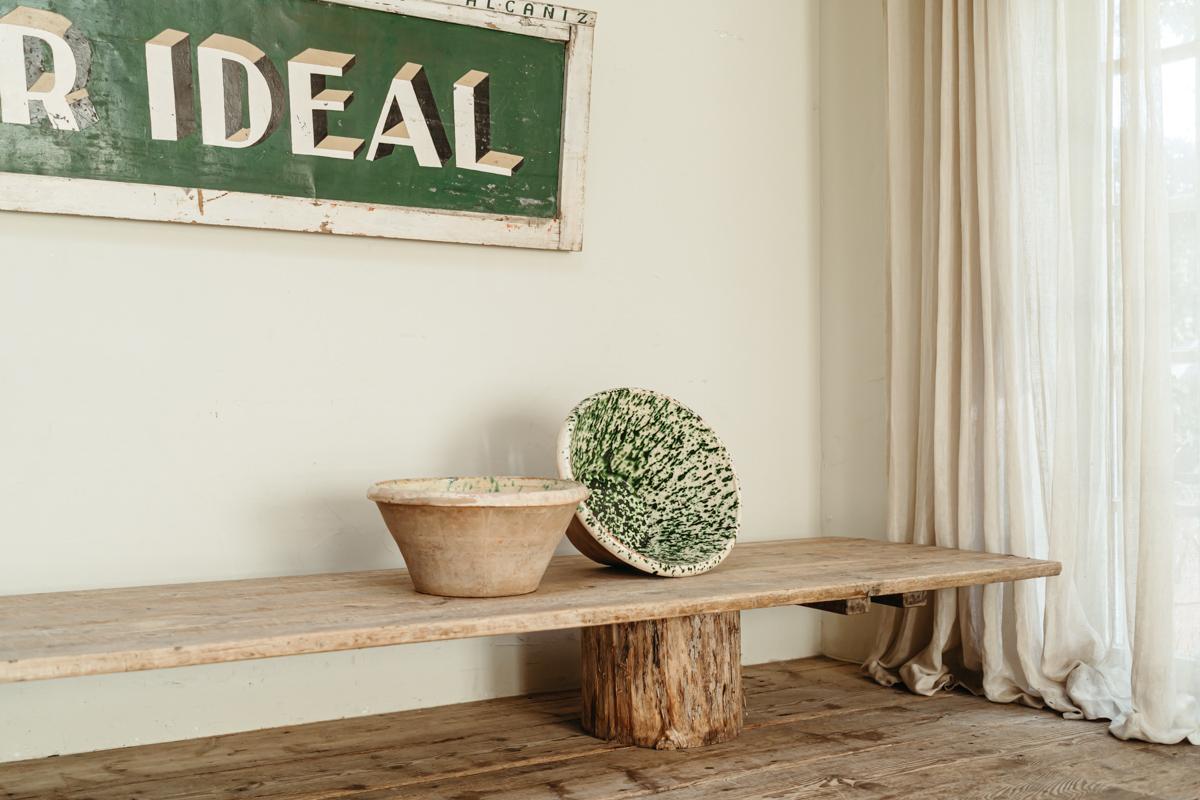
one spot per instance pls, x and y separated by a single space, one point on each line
114 199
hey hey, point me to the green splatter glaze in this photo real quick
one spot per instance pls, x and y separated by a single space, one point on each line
665 498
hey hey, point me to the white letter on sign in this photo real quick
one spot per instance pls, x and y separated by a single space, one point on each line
473 127
222 61
312 101
410 119
169 80
25 33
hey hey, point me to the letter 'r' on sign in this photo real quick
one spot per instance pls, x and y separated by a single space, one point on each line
25 79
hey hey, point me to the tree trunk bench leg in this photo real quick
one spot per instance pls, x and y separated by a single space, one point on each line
668 684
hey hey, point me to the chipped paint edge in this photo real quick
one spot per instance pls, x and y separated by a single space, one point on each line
576 125
116 200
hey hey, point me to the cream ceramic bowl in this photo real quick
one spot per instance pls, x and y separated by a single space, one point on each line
477 537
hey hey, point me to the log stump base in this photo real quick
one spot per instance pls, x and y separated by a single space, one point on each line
667 684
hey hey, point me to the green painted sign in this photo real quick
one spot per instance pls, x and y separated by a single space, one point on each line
293 98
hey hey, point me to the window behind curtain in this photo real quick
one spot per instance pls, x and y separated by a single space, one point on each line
1180 22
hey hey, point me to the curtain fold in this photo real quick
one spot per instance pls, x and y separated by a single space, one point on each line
1031 404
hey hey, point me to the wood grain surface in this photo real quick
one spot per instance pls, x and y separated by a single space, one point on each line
666 684
814 729
69 634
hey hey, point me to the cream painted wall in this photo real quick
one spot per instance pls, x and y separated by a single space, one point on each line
182 404
853 366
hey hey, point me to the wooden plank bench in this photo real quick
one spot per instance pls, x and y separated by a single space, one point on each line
661 657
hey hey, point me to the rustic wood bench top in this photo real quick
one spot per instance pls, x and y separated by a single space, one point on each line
67 634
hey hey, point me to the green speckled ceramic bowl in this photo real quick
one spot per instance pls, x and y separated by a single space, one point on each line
665 498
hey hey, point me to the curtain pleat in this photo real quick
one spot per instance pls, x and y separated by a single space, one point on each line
1029 409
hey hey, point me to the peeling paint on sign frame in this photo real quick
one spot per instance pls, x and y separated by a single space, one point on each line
448 120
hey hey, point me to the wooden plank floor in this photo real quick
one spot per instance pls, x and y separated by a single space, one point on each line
68 634
816 729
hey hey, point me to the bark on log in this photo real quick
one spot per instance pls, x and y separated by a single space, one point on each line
668 684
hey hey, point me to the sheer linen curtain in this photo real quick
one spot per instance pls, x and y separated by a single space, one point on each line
1044 375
